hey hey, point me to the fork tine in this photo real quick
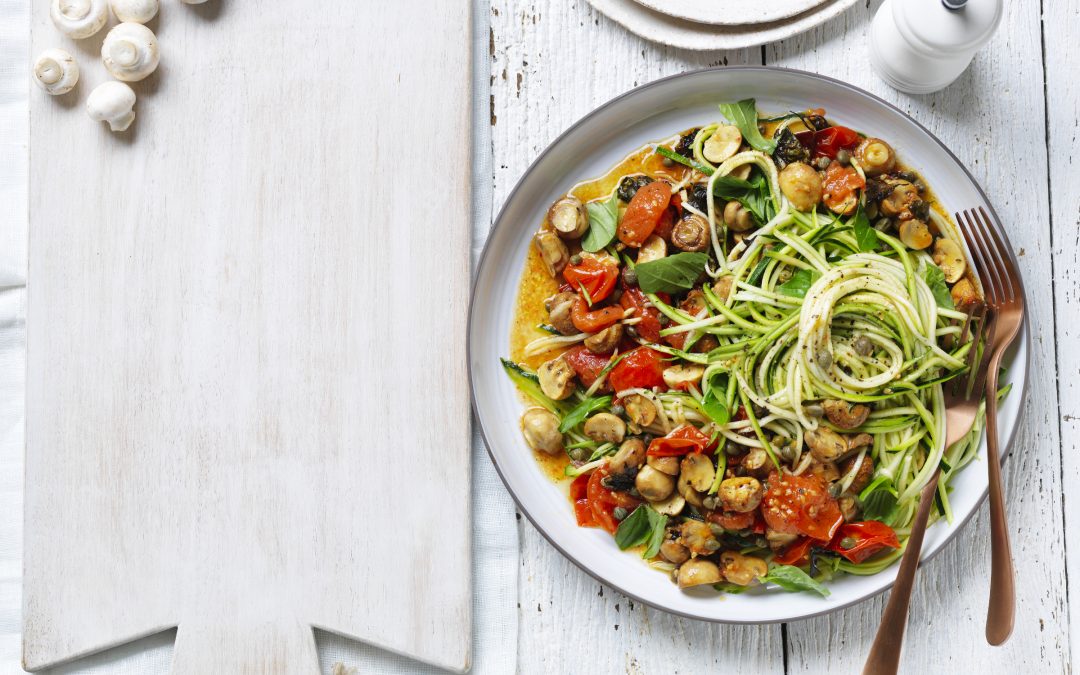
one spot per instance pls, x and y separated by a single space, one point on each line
991 251
978 259
958 384
1007 267
986 334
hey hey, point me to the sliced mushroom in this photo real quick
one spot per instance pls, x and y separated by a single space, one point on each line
692 496
801 185
654 248
556 378
698 537
698 573
756 462
569 217
875 156
694 303
825 444
631 455
826 471
679 376
723 143
742 570
639 409
778 540
849 507
691 233
559 307
673 551
964 294
845 415
698 471
949 257
741 494
736 217
541 430
655 486
672 506
722 287
845 207
606 340
605 428
857 441
899 199
915 234
669 465
552 251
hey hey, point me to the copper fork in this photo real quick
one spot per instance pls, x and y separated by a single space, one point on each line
963 395
1005 297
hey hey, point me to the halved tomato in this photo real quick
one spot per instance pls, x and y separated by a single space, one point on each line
586 364
591 321
732 520
595 276
831 140
640 368
801 505
797 553
603 501
644 212
866 538
682 440
580 496
649 326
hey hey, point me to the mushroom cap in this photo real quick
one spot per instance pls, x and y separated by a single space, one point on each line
56 71
130 52
79 19
112 102
137 11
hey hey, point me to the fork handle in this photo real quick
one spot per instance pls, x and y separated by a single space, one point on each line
1001 611
884 657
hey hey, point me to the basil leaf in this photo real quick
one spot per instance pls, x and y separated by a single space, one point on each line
657 523
578 414
935 279
744 115
792 578
865 235
643 525
715 405
603 219
753 194
671 274
799 283
879 500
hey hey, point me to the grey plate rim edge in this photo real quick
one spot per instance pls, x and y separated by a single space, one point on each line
996 222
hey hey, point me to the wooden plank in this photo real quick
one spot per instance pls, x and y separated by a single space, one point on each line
247 408
1061 26
991 119
552 63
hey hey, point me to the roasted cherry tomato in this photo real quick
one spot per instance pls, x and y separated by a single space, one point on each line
603 501
683 439
644 212
866 539
800 505
583 510
731 520
831 140
640 368
797 553
595 276
649 326
591 321
839 186
586 364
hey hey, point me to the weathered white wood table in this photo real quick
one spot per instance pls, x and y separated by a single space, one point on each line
1013 119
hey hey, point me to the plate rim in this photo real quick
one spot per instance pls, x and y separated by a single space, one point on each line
498 222
785 14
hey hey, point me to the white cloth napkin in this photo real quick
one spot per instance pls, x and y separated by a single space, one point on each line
495 535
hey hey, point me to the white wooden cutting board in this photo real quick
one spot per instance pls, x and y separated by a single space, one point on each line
247 409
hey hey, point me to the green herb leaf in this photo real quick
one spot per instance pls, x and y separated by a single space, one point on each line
865 234
578 414
799 283
792 578
759 271
753 194
603 219
744 115
528 382
935 279
676 157
672 274
641 526
714 399
879 500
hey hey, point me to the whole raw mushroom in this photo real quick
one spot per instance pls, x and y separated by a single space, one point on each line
79 19
56 71
112 102
137 11
130 52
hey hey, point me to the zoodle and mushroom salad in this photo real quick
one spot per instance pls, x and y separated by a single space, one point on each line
733 346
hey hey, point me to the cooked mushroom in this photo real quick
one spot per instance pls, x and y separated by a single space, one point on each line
900 198
655 486
849 507
722 287
741 494
875 156
723 143
863 475
552 251
778 540
826 471
541 430
678 377
736 217
949 257
669 465
606 340
692 496
556 378
964 294
605 428
654 248
698 471
694 303
857 441
672 506
825 444
698 537
631 455
673 551
691 233
569 217
915 234
801 185
559 307
845 415
756 462
698 573
742 570
639 409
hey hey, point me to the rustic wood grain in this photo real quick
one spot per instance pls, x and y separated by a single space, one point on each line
247 409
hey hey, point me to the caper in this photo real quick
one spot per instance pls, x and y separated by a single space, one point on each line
629 276
664 320
618 410
847 542
631 331
575 259
709 502
843 156
579 454
717 530
666 161
814 410
823 358
712 545
822 163
619 513
733 448
863 346
834 491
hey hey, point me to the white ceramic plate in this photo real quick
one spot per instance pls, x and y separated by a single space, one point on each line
683 34
589 149
731 12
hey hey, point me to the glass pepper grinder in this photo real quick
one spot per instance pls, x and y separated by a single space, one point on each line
920 46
